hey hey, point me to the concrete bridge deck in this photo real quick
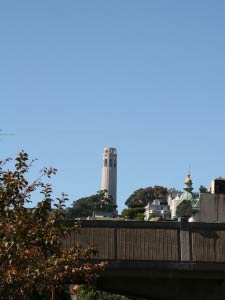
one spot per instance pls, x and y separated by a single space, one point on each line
158 260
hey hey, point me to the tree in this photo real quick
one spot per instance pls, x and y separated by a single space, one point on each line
81 208
142 196
136 213
31 258
90 293
85 207
104 202
203 189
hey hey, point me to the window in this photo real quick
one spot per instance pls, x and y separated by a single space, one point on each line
105 163
114 164
110 162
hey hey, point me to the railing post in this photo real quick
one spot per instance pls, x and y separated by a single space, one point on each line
53 293
115 243
185 245
73 291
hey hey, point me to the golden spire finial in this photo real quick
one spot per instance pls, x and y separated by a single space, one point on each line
188 179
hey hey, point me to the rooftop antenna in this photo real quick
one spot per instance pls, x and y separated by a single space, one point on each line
189 169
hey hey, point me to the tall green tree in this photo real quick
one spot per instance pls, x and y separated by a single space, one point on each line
32 260
142 196
87 206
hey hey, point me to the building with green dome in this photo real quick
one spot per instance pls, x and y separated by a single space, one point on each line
187 194
185 204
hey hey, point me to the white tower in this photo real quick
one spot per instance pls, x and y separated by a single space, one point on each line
109 172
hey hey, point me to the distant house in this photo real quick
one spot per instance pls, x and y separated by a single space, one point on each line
156 209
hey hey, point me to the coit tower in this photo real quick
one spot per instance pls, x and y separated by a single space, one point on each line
109 172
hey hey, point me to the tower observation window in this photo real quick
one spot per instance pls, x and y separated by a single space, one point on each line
114 164
110 162
105 163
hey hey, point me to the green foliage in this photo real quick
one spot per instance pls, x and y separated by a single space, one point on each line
104 202
82 208
31 258
90 293
141 197
133 200
140 217
60 294
85 207
136 213
203 189
155 217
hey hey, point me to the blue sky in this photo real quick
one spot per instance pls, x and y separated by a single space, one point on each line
146 77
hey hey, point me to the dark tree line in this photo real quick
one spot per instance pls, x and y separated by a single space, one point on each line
87 206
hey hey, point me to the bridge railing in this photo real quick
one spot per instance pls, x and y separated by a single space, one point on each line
152 241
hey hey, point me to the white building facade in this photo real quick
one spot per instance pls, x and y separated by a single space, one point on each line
156 209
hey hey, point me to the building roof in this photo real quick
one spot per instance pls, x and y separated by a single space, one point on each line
187 196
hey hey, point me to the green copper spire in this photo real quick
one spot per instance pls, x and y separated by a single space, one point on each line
187 208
